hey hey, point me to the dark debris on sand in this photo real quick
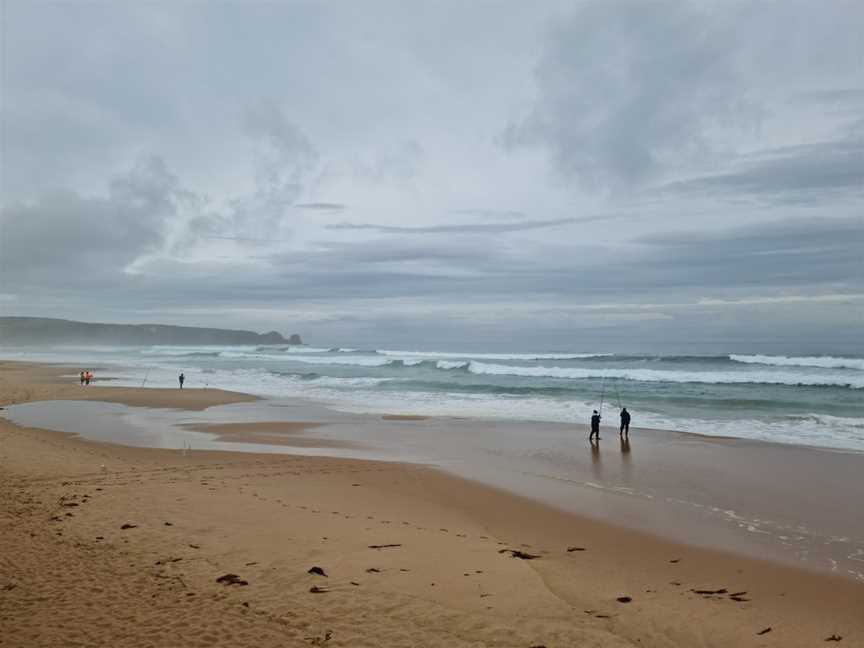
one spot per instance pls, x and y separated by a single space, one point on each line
320 640
516 553
231 579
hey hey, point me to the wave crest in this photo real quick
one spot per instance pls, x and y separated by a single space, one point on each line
824 362
492 356
657 375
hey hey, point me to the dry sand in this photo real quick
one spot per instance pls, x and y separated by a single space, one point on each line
412 557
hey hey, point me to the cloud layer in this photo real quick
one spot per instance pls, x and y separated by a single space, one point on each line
612 171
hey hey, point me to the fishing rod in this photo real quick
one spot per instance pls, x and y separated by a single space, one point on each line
144 382
602 392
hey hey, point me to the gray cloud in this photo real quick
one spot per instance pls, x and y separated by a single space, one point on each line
64 239
321 206
284 158
630 93
784 255
807 255
477 228
492 213
851 98
398 162
625 88
799 174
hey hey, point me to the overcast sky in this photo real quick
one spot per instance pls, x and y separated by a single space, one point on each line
567 175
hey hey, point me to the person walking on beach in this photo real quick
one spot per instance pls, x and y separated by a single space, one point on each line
625 422
182 379
87 377
595 426
82 378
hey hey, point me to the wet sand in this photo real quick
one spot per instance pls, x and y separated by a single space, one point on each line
285 433
730 494
412 556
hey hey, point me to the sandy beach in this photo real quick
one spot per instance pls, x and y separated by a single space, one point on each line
108 545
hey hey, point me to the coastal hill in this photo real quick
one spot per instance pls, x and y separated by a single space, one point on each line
43 330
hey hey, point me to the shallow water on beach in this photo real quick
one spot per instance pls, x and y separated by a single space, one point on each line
780 502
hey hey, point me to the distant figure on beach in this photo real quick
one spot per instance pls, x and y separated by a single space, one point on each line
595 426
87 377
625 422
181 378
82 378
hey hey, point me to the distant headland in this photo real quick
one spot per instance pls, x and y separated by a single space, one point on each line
44 330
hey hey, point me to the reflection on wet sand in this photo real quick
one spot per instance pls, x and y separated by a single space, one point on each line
596 461
625 460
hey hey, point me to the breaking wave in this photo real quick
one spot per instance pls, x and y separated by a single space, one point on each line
656 375
824 362
493 356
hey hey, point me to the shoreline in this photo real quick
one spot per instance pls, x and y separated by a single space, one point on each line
269 518
211 396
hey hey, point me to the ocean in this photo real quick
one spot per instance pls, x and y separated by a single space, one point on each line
807 400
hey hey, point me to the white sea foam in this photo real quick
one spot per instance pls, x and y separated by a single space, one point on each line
172 351
828 420
333 381
240 351
358 361
451 364
305 349
492 356
825 362
412 362
848 379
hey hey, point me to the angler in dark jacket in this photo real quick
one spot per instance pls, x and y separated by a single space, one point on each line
595 426
625 422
